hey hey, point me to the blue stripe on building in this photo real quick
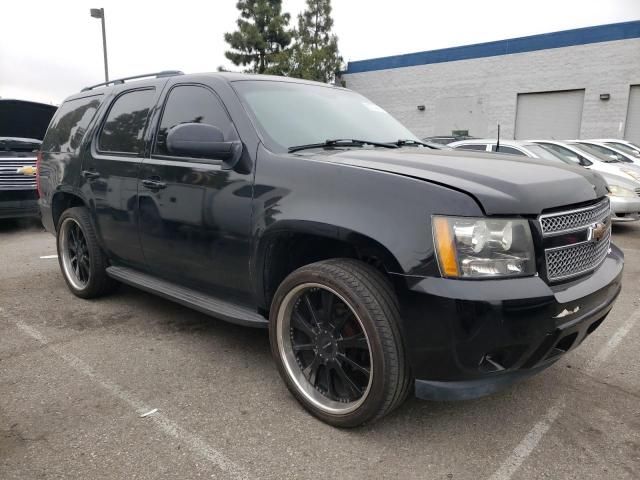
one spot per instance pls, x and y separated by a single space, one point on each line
567 38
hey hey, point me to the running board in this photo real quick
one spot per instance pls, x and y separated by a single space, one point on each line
190 298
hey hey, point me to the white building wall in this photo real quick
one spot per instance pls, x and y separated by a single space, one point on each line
494 83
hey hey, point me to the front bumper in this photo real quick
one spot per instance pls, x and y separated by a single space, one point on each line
470 338
18 203
625 209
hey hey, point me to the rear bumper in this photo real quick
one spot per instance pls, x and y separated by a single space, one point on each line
470 338
18 204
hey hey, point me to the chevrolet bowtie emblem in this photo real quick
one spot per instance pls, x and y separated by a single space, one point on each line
597 231
27 170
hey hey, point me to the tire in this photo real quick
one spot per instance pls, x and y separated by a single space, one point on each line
86 278
312 362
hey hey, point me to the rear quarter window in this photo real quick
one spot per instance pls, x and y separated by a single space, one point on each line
70 123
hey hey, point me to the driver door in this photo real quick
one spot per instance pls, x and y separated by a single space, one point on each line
184 231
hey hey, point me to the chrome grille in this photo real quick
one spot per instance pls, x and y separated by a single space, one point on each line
578 219
10 179
579 258
575 259
638 191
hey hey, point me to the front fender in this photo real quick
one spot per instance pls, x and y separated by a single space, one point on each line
350 203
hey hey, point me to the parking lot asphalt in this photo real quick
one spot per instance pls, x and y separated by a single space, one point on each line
77 376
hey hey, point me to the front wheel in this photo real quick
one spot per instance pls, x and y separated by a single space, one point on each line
335 336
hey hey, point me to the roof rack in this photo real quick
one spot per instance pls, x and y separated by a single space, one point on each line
120 81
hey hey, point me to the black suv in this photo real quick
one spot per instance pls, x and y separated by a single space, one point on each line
377 264
22 127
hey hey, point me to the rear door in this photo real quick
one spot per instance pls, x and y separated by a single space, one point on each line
110 171
195 214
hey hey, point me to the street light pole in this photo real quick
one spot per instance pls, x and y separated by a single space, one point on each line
99 13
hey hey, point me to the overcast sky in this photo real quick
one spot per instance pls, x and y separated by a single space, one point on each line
50 49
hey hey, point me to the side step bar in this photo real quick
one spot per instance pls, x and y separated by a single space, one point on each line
190 298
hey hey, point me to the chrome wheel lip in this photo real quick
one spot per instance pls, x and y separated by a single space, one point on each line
65 255
292 368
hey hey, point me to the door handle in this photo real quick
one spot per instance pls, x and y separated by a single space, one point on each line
153 184
90 174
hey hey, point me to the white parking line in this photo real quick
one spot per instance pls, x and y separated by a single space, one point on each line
613 343
45 257
162 422
531 440
528 443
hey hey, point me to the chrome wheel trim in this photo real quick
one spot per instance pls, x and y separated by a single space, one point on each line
74 251
290 361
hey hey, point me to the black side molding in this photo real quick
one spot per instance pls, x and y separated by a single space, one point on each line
190 298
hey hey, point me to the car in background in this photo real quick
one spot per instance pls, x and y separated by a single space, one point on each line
611 151
589 157
619 144
446 139
513 147
22 128
624 195
624 192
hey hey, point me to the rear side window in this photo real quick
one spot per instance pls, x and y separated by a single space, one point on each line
124 126
472 146
70 123
192 104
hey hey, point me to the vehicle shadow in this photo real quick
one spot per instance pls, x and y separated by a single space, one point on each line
13 225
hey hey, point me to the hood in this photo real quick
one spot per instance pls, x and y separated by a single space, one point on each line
23 119
620 181
501 184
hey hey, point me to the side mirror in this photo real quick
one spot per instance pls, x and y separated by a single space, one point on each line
584 162
202 140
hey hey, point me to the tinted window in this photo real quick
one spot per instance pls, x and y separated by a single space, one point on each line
472 146
505 149
124 128
192 104
70 124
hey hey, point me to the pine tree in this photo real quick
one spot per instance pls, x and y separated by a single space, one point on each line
314 56
261 38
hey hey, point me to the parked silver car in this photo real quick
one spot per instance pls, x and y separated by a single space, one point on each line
611 151
624 192
588 156
623 145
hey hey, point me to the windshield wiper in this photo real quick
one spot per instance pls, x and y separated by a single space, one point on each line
341 142
405 142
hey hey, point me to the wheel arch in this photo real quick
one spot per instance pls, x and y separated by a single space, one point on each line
292 244
63 200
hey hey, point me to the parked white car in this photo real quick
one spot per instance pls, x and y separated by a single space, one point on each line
513 147
611 151
591 158
623 145
624 190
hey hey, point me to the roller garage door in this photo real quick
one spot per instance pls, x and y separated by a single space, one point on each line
549 114
632 130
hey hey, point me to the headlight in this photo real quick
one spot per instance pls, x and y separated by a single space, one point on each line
483 247
632 173
618 191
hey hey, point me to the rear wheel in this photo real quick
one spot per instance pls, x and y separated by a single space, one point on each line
335 336
82 261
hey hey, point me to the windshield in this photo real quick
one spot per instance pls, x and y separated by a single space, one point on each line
596 153
542 152
292 114
625 148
